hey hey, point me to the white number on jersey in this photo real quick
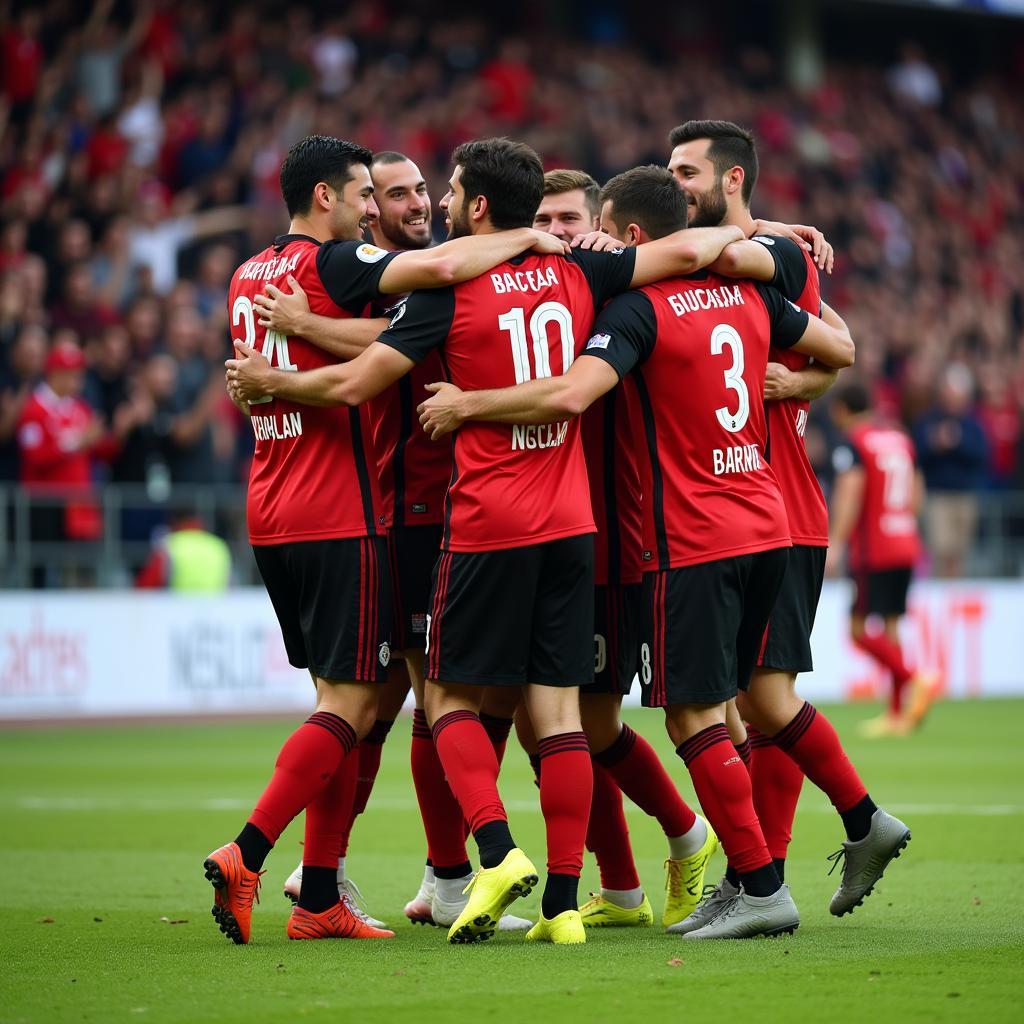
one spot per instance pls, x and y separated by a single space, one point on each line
721 336
898 468
547 313
275 344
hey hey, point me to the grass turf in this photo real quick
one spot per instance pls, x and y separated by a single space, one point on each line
106 917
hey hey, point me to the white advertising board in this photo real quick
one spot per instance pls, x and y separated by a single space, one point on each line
109 654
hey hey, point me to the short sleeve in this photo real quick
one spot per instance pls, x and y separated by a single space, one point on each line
421 323
351 272
788 322
790 265
624 333
608 273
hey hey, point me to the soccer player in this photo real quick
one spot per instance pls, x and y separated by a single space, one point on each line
316 522
413 473
715 163
878 495
622 759
716 532
512 602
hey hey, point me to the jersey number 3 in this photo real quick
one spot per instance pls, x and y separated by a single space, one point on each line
275 344
725 335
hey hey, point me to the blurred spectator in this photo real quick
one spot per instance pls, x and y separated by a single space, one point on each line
952 452
1000 418
188 559
19 374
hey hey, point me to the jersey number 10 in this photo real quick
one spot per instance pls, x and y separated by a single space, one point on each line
275 344
546 314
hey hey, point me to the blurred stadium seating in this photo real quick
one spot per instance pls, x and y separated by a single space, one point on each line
139 157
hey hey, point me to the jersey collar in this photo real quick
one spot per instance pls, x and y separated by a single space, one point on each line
282 240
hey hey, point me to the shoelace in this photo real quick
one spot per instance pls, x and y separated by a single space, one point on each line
255 884
709 891
674 881
594 901
836 858
352 891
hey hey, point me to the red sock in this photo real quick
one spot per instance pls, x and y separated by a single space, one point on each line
470 766
307 763
322 845
777 781
639 773
813 744
497 731
723 788
608 834
369 752
443 823
889 655
566 788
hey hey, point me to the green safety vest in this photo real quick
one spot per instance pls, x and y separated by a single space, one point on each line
200 561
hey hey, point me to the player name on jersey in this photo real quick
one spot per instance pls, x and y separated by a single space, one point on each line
524 280
277 428
543 435
739 458
705 298
259 270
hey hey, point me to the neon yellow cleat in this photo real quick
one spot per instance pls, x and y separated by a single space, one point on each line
601 913
490 892
566 929
684 880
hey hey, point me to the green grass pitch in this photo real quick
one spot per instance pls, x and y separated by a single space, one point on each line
106 916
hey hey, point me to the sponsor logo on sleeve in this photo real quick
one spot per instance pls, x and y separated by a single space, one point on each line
763 239
599 341
370 253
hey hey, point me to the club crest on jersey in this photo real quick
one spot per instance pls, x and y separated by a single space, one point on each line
370 253
599 341
384 654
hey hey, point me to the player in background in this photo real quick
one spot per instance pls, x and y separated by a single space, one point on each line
715 163
715 525
316 522
622 759
413 473
517 556
878 495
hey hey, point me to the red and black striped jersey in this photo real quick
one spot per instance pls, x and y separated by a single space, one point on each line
313 474
514 485
699 348
796 277
885 535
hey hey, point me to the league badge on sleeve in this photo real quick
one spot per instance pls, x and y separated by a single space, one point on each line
599 341
370 253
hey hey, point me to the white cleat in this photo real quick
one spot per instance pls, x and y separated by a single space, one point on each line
348 893
419 908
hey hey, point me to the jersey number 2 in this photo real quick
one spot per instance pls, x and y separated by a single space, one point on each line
274 343
547 313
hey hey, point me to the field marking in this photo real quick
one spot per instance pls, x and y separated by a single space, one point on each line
51 804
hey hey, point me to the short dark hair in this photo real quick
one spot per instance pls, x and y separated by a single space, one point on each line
509 174
389 156
560 181
649 197
318 158
853 396
731 146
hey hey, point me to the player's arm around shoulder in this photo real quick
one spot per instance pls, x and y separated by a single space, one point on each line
547 400
680 253
827 341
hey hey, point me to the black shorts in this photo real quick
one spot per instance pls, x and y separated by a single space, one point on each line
413 552
883 592
703 626
515 616
787 642
333 601
617 610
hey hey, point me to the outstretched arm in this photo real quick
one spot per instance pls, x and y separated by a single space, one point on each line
547 400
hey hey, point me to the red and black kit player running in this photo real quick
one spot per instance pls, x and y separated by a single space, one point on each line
316 523
875 504
715 527
716 165
512 601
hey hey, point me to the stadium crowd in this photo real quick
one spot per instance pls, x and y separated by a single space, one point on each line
139 163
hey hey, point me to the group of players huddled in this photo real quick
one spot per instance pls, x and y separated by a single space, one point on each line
517 471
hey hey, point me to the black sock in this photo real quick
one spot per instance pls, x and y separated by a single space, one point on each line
458 871
430 863
319 889
857 820
494 840
761 881
559 895
535 765
254 846
732 876
780 868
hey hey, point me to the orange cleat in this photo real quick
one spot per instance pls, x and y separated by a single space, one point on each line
336 922
234 889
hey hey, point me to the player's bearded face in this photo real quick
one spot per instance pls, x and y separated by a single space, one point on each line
706 209
458 226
